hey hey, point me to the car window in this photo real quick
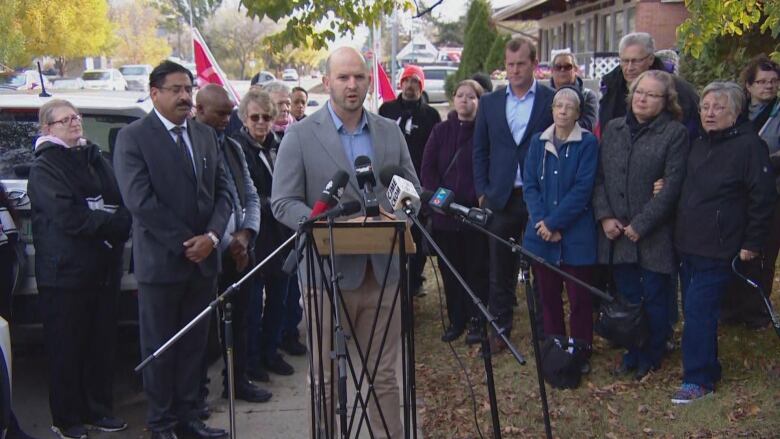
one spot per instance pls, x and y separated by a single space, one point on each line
19 129
439 74
96 76
133 71
12 79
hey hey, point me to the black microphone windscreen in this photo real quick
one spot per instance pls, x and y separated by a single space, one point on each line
361 161
350 207
388 172
340 179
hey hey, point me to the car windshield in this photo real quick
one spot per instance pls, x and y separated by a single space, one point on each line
96 76
133 71
19 129
12 79
439 74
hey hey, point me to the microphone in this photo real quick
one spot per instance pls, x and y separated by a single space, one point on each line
364 173
443 202
401 192
331 194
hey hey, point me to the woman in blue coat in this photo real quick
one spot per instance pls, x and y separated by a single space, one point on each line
558 179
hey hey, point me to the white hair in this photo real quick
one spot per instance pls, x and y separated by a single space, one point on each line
643 39
733 92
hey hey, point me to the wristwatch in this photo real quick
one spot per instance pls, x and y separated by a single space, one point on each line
214 238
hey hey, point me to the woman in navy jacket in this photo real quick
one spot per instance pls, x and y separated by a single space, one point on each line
559 174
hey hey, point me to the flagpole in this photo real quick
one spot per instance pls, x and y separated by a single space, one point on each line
377 49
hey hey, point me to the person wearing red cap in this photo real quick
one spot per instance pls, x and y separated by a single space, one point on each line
416 120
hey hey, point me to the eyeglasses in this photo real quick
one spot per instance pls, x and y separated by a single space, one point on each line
763 82
257 117
177 89
635 61
67 121
563 67
648 94
715 109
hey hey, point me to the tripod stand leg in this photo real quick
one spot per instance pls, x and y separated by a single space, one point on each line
490 383
228 317
525 270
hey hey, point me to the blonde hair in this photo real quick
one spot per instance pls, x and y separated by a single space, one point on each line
671 103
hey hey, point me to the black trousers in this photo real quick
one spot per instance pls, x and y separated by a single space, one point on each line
80 339
171 382
508 222
467 250
240 313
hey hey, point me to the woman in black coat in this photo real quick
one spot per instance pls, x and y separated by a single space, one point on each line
80 227
725 210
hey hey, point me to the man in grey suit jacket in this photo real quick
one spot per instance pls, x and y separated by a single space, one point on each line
312 151
171 177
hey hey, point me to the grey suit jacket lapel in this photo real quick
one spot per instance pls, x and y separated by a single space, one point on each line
378 142
170 149
329 139
198 158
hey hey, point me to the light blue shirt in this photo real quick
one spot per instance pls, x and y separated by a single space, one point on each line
518 113
169 126
356 143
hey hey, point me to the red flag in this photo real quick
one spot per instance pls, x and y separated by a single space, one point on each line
386 91
207 68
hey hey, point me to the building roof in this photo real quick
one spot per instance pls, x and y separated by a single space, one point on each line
530 9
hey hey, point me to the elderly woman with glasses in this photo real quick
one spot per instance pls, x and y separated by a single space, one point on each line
257 112
646 145
724 211
558 178
80 227
565 71
760 81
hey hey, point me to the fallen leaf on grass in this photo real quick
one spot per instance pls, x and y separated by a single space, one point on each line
612 410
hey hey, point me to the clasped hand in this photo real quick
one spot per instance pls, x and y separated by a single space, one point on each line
545 233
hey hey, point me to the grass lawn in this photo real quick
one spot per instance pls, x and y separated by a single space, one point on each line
746 403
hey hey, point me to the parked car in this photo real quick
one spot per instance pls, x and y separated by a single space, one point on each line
137 76
104 79
103 117
263 77
68 84
27 80
290 75
434 83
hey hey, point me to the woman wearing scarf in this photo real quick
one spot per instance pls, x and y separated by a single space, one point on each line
80 227
646 145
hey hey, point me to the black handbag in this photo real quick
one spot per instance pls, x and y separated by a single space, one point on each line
622 323
562 361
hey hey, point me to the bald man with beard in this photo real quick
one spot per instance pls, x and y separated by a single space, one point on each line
213 108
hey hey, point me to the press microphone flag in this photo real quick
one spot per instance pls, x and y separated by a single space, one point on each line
443 202
364 173
331 194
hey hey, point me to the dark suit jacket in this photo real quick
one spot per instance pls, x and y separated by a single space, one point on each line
496 155
167 210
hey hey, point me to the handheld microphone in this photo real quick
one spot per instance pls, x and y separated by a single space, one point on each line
364 173
443 202
331 194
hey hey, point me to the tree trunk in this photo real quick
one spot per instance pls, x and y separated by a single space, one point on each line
60 65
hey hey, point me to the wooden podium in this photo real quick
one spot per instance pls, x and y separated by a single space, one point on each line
331 351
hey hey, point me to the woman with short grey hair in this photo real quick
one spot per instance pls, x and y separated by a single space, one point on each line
724 211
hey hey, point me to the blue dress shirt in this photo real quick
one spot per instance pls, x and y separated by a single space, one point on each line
356 143
518 113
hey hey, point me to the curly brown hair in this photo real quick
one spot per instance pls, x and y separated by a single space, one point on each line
760 62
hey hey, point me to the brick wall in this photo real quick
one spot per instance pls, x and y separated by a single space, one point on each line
660 20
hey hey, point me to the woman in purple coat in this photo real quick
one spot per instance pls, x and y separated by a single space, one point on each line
447 163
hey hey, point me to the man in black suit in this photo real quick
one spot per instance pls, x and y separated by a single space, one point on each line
506 120
171 177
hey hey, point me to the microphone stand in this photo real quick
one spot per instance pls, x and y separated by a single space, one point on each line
526 258
489 318
218 301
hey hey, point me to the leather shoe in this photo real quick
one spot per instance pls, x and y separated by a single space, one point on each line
167 434
258 374
622 370
473 336
497 344
452 333
277 365
642 371
292 346
196 429
247 391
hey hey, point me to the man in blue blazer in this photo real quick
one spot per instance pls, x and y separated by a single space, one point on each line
506 120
